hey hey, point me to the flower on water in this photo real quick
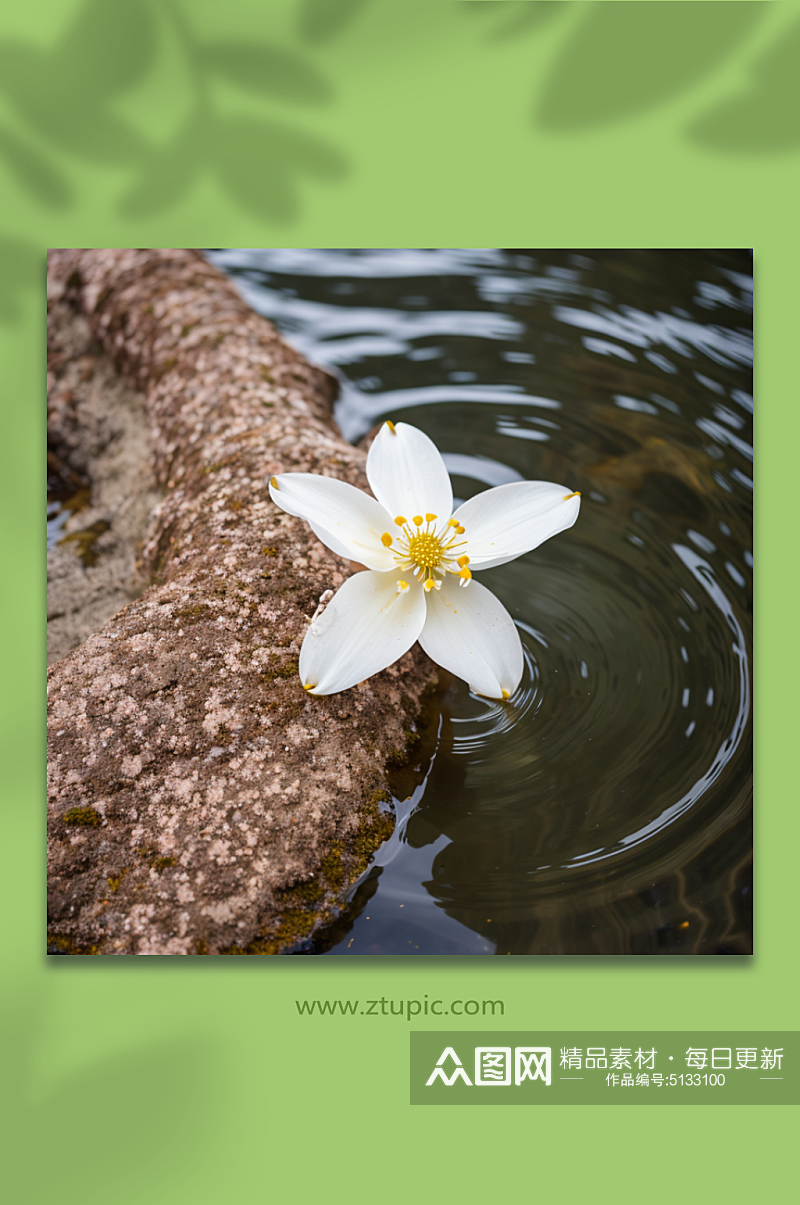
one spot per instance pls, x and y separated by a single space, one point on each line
419 555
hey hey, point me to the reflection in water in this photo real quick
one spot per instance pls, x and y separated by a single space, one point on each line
606 807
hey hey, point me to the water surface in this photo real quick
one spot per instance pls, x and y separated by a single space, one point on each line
606 808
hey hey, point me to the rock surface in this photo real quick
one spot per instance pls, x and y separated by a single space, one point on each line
98 431
200 802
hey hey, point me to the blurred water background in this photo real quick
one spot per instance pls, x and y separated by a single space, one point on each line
606 809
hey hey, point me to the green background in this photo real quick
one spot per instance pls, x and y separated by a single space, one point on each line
380 124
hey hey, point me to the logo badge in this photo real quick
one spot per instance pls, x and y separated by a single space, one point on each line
493 1066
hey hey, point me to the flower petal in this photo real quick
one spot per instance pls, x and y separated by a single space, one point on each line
504 522
407 474
469 632
347 520
366 626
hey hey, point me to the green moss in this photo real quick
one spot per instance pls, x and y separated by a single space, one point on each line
396 758
278 668
332 866
310 892
85 541
294 926
268 378
83 818
79 501
269 550
375 828
155 860
304 907
289 708
192 613
115 880
65 945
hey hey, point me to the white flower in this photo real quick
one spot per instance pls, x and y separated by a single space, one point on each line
418 553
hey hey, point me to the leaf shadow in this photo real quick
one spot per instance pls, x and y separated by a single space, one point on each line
321 21
65 97
623 59
522 18
267 71
158 1096
64 93
764 118
259 164
107 48
43 180
21 261
166 174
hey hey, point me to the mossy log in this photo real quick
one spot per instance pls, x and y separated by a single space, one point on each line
200 802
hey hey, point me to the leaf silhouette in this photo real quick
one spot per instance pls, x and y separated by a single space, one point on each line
21 262
267 70
258 163
107 48
322 20
625 58
167 173
160 1093
522 17
72 119
33 172
765 118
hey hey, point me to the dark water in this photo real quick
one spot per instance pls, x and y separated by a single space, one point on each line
607 808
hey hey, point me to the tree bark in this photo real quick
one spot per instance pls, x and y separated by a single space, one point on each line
200 801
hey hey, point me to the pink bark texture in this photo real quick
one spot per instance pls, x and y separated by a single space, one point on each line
199 801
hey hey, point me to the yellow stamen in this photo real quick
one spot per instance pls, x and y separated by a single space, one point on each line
386 539
418 520
506 694
460 529
462 561
402 587
576 494
465 575
401 520
425 549
274 483
309 686
391 427
429 584
452 522
430 518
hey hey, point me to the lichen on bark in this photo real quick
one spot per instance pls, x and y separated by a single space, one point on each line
229 809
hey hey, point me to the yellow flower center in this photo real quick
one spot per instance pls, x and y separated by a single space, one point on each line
425 549
429 554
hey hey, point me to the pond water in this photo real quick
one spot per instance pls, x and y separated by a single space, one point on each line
607 808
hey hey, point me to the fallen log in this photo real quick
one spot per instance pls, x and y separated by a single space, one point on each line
199 800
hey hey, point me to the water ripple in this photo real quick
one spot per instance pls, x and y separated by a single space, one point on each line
605 807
